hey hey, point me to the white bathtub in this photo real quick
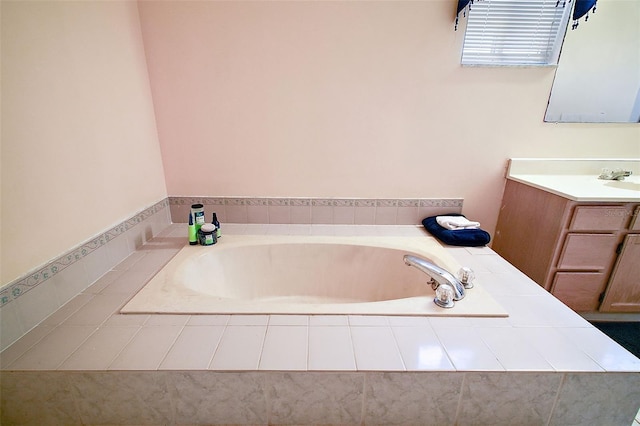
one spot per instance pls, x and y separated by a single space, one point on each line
305 275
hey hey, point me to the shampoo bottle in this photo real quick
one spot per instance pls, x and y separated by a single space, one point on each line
193 240
198 215
214 220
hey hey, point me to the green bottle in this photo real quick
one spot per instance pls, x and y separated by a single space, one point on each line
193 240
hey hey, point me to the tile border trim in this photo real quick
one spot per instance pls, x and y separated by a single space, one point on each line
308 210
306 201
39 275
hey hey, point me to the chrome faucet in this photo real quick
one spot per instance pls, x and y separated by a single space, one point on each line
615 174
448 288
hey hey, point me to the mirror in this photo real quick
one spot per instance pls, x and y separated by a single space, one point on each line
598 75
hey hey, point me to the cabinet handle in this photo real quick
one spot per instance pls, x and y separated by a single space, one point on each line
619 248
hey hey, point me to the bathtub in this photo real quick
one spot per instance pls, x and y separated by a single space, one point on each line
251 274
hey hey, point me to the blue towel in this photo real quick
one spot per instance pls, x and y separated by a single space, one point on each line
458 237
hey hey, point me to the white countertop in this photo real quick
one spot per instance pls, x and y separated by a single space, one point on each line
577 179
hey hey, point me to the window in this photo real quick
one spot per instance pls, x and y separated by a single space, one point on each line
515 32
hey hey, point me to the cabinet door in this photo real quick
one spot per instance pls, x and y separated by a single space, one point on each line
579 290
592 252
635 221
623 293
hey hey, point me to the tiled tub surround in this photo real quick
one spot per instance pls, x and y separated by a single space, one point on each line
544 364
338 211
27 301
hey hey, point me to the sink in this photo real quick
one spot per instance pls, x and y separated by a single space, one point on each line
631 183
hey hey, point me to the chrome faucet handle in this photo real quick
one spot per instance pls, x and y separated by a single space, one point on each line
444 296
466 277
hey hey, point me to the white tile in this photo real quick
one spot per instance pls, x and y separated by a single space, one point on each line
208 320
606 352
70 281
288 320
367 320
53 349
126 319
421 349
100 349
130 261
328 320
239 349
17 349
194 348
102 282
167 320
331 348
37 304
375 349
97 310
558 350
444 322
248 320
513 352
147 349
285 348
10 327
539 310
68 309
408 321
466 349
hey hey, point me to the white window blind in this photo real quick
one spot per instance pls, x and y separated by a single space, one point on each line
515 32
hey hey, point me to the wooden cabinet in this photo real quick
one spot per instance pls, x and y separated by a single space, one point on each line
583 253
623 292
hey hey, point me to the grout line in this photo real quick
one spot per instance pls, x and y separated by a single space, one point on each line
459 406
557 397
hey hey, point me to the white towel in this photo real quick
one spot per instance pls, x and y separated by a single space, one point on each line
456 222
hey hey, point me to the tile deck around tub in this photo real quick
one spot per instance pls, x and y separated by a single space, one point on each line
89 334
88 364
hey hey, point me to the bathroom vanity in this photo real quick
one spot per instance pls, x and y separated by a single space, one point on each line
574 234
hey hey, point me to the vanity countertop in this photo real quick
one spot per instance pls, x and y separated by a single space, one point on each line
577 179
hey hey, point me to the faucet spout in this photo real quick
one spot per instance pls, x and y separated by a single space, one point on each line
439 275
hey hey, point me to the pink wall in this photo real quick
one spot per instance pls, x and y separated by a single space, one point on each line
80 150
345 99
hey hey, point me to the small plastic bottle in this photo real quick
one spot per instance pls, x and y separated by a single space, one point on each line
198 215
193 239
214 221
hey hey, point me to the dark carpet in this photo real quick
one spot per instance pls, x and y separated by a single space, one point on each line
627 334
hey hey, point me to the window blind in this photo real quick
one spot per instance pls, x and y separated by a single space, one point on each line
515 32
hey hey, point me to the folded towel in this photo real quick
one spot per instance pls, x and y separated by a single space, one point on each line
456 222
460 237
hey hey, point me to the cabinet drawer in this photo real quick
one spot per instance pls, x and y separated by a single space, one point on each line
593 252
598 218
579 290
